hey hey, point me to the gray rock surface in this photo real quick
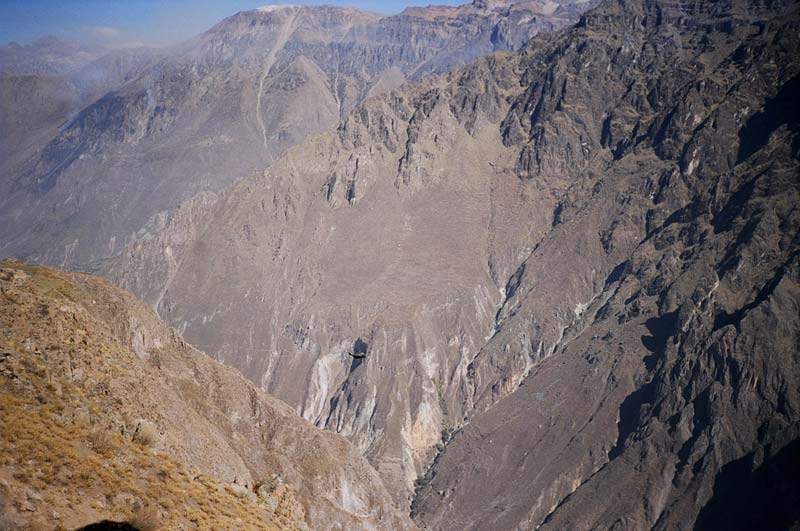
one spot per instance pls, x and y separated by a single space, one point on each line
554 288
575 269
670 276
223 105
44 85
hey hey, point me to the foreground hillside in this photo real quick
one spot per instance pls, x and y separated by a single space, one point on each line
572 268
105 413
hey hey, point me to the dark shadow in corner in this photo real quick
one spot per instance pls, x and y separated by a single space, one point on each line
765 498
784 108
108 525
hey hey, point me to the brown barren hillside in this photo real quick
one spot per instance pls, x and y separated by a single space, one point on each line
105 413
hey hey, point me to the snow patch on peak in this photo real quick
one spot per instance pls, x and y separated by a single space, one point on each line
275 7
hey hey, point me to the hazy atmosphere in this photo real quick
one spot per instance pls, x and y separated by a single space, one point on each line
143 22
495 265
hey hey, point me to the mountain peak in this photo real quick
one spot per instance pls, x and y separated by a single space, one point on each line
270 8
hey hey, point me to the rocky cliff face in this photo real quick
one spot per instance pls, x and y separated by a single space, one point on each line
572 268
662 360
224 105
45 84
106 413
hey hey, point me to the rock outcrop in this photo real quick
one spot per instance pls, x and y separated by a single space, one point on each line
657 321
107 414
574 268
221 106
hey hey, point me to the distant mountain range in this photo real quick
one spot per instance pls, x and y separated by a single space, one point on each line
47 56
44 85
203 114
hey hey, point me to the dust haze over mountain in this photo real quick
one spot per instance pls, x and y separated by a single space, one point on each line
548 282
223 105
45 84
152 23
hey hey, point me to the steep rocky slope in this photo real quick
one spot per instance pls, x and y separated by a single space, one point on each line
574 267
670 394
225 104
45 84
107 414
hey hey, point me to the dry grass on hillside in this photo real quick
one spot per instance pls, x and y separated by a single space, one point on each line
61 464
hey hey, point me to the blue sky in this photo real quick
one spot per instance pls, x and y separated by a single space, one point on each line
155 22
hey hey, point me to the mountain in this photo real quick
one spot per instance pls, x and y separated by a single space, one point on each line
47 56
223 105
554 288
668 285
107 414
45 84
